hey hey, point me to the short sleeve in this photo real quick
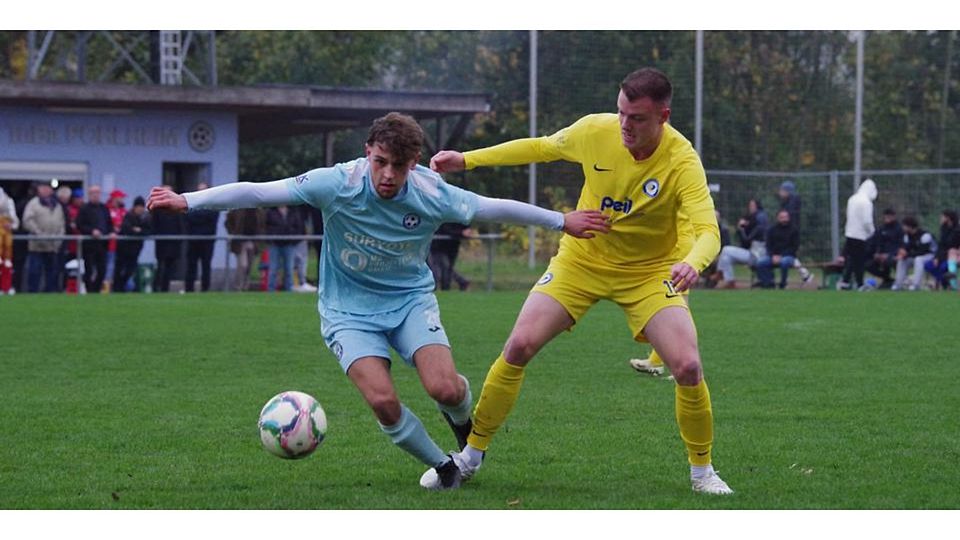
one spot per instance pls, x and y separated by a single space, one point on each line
319 187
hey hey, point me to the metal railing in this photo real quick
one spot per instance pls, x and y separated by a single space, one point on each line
488 239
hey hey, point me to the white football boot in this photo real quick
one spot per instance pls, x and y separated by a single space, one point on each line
450 475
711 483
644 365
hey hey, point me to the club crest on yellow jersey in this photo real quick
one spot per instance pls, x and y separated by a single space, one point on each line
651 187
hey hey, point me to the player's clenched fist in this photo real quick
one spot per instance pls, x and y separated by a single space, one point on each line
447 161
163 198
580 222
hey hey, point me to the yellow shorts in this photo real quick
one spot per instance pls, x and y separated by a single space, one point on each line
640 295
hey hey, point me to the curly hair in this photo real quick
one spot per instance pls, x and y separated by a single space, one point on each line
399 134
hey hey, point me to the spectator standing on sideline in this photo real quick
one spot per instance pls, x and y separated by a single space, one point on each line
117 209
244 222
783 241
883 247
8 223
858 230
282 221
443 256
63 195
168 251
916 248
790 201
943 267
135 223
200 223
301 252
94 220
43 216
751 232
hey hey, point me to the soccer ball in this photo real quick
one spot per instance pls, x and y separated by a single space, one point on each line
292 425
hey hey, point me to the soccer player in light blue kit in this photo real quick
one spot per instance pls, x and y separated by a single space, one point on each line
380 213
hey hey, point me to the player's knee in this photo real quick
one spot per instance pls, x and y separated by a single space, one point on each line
386 407
520 349
686 370
447 392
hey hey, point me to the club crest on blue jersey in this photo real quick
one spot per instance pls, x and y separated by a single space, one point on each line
411 221
651 187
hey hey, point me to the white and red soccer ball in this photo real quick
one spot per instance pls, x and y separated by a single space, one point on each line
292 425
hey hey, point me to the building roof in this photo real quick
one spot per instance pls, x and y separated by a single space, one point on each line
264 111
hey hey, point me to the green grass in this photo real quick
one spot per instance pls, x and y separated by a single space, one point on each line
821 399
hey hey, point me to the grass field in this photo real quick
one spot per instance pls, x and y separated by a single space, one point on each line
821 399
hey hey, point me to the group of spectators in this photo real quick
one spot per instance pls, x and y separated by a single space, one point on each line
111 264
897 246
64 212
762 246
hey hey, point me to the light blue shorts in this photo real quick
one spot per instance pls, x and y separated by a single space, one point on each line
351 336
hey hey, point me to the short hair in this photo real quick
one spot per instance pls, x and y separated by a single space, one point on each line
951 215
648 83
889 212
399 134
910 221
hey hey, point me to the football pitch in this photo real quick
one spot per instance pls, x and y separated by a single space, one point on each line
821 400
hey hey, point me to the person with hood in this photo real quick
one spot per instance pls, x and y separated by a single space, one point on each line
8 223
43 216
858 230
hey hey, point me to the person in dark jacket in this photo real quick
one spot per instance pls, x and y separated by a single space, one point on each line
790 201
200 223
94 220
168 251
939 267
883 246
282 221
443 256
783 241
751 231
917 247
135 223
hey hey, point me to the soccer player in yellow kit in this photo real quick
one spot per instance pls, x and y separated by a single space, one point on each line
642 173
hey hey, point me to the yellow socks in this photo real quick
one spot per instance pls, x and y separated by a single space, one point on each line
695 418
654 358
500 391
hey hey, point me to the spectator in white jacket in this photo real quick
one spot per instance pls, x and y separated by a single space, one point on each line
858 230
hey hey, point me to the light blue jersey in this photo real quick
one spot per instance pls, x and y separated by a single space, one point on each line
375 250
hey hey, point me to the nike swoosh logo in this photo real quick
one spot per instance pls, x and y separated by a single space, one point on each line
474 432
703 453
598 169
668 295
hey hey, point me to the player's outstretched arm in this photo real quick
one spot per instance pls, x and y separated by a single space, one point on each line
580 223
225 197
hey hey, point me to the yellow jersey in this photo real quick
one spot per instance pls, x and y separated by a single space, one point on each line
656 204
